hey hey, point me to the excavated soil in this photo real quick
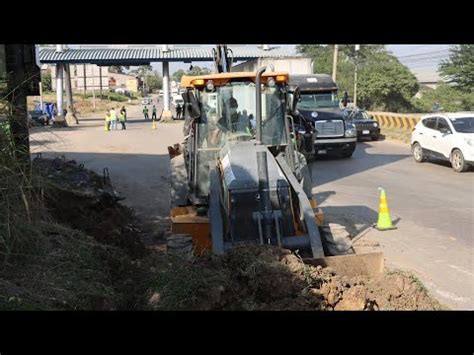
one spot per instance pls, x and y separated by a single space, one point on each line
270 278
83 200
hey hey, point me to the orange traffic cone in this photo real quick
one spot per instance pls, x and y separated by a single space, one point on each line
384 221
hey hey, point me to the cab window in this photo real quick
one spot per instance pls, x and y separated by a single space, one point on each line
443 125
430 122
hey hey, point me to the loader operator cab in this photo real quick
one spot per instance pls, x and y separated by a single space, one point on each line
229 115
225 113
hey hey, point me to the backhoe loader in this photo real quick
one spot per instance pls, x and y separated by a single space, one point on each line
238 178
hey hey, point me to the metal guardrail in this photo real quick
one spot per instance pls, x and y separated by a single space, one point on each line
396 120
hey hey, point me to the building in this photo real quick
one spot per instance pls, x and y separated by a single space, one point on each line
93 75
292 65
126 81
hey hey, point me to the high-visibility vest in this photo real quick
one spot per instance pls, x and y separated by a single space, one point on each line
108 118
113 115
122 117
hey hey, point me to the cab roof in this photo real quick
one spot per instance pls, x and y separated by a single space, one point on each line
313 82
223 78
450 114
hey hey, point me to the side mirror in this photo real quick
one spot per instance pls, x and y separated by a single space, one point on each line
191 106
445 130
296 99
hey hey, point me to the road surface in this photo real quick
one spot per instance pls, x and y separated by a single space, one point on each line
433 207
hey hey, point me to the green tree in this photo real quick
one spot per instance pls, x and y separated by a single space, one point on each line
154 81
323 56
142 70
449 97
46 81
383 82
197 70
459 68
386 84
177 75
119 69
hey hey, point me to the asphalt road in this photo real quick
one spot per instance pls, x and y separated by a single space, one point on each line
432 206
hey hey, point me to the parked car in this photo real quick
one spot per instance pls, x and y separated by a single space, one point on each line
365 125
38 117
448 136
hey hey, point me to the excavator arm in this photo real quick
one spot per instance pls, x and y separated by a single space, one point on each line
223 58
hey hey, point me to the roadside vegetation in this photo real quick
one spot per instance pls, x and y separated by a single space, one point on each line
385 84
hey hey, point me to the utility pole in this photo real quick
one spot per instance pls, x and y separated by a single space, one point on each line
85 81
93 87
100 81
41 95
334 63
69 97
59 85
357 47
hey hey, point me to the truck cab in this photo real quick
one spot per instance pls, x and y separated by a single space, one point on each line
319 122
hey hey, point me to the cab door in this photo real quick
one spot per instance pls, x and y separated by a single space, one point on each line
443 138
425 134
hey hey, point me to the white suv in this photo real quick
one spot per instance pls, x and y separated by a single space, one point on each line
447 136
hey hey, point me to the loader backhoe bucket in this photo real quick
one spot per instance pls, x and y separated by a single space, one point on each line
369 264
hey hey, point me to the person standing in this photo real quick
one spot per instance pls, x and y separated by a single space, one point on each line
108 120
113 117
123 117
153 115
145 113
178 111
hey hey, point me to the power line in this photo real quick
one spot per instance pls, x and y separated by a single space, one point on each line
425 53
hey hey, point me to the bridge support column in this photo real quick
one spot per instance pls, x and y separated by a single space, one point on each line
59 93
69 98
167 115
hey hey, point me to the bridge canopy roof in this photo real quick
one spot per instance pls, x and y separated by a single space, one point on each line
145 55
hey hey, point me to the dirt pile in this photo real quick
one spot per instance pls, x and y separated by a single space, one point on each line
87 202
82 254
270 278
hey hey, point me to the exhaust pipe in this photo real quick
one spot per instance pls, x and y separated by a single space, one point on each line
264 190
258 104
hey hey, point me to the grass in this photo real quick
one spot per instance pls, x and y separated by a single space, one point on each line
86 106
179 284
399 134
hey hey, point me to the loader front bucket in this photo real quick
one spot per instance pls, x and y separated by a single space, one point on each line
351 265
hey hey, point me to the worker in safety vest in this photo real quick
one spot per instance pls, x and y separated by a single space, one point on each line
153 115
123 117
108 119
113 116
145 113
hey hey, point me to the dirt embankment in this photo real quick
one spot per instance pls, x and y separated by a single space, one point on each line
81 254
